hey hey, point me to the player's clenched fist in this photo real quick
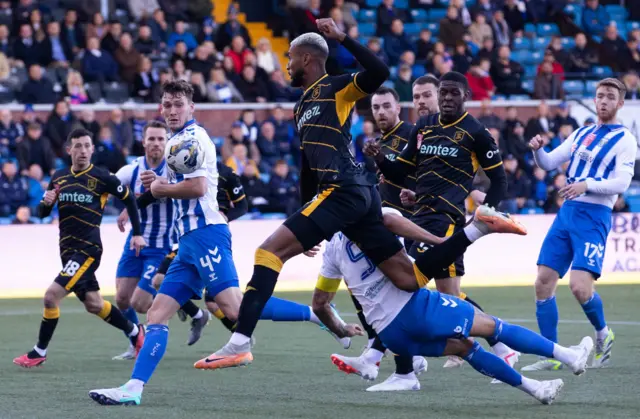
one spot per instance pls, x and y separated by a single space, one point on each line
536 143
372 148
351 330
329 29
147 177
50 197
407 197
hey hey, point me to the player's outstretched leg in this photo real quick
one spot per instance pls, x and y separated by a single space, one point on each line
139 302
199 319
405 377
151 353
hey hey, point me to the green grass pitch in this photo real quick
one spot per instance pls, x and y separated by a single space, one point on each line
292 376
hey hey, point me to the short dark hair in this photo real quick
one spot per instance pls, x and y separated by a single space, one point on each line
154 124
77 133
178 88
454 76
428 79
615 83
387 90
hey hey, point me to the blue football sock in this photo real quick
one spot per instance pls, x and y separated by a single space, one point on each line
522 339
492 366
131 315
155 345
547 315
280 310
595 312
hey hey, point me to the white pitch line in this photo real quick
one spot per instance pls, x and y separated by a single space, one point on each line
78 311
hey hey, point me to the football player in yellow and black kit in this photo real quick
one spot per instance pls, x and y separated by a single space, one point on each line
444 153
81 192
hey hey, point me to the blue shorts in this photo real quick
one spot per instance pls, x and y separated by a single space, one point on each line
204 260
426 322
143 266
577 238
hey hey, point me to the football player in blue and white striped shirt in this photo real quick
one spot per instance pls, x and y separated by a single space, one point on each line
601 161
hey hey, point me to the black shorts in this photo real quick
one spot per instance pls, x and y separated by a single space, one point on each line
354 210
440 225
78 274
166 262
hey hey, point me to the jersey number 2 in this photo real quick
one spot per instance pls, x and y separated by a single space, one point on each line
356 257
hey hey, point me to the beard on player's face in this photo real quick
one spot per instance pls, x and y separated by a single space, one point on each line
297 77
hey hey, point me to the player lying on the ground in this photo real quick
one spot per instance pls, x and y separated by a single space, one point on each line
433 324
81 192
204 259
601 164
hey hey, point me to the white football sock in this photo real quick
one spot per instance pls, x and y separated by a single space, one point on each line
373 356
472 232
370 342
501 350
313 318
239 339
198 315
602 334
41 352
134 386
564 355
134 331
529 385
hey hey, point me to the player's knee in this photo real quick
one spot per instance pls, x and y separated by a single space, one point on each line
460 347
448 286
50 300
140 305
231 313
93 307
581 291
123 302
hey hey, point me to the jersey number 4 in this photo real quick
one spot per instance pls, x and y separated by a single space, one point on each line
356 257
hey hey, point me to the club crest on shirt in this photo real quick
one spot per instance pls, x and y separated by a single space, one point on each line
395 143
316 93
589 139
459 135
91 184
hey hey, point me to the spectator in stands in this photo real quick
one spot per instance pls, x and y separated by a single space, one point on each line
387 13
336 14
198 10
464 16
281 91
238 136
219 89
375 46
515 142
479 30
403 83
632 83
462 58
238 53
175 9
285 135
595 18
556 67
396 42
144 81
252 88
518 187
58 126
145 43
199 87
563 117
547 84
621 205
560 54
207 31
506 73
14 189
34 149
22 11
487 117
128 59
201 62
239 161
10 131
121 131
23 216
267 59
37 89
166 75
269 149
230 29
26 49
107 153
442 65
180 71
180 52
88 121
98 27
452 30
180 34
514 13
159 28
74 90
283 187
35 20
408 58
539 192
257 191
582 57
6 46
480 82
37 185
72 31
111 40
554 202
539 124
250 127
142 9
56 49
630 57
613 48
29 116
348 11
486 8
501 31
138 121
98 65
424 44
488 49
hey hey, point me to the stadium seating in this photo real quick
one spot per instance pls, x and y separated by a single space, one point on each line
547 29
573 88
522 43
419 15
367 15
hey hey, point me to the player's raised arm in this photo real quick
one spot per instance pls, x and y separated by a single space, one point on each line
375 71
48 200
552 160
489 158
